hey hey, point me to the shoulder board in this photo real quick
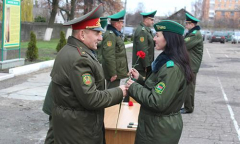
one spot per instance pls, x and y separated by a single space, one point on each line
143 28
194 32
110 31
170 64
81 52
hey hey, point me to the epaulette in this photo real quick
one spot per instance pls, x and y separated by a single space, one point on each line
194 32
81 52
143 28
170 63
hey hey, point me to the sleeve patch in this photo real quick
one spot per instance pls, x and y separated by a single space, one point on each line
109 43
87 79
141 39
159 88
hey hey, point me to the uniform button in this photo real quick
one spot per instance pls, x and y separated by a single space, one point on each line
83 52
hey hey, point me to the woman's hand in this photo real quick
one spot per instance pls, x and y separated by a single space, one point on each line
129 83
134 73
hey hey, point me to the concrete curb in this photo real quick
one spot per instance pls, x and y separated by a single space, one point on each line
129 45
31 68
34 67
4 76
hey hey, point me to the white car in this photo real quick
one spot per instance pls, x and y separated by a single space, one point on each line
236 37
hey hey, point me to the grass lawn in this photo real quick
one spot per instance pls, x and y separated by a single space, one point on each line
43 44
46 50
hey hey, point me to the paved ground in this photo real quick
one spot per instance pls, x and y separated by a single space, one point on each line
216 118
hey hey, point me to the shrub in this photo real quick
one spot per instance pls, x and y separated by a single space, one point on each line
32 50
125 39
62 42
39 19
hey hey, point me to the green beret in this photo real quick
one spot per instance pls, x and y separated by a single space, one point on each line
169 26
150 14
118 16
190 18
103 22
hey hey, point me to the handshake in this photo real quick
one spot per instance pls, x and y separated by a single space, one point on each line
133 74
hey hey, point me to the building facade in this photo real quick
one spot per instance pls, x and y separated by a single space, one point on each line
222 12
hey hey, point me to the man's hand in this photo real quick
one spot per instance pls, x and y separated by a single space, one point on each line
113 78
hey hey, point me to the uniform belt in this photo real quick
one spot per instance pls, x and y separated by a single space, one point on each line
69 108
159 114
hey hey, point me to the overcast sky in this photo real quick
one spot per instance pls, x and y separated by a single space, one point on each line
163 7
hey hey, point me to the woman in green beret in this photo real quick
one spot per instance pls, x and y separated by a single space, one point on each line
162 93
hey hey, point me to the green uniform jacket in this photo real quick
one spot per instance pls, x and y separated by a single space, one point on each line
161 99
78 90
143 41
194 44
114 57
48 102
99 52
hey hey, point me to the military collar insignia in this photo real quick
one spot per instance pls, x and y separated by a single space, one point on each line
170 64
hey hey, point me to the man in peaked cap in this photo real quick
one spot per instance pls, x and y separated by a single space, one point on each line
194 43
143 41
114 57
78 85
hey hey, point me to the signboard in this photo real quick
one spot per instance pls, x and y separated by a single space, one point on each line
11 23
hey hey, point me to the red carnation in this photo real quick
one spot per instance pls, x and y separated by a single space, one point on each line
141 54
130 103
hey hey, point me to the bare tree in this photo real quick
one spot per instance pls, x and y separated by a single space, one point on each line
197 8
54 6
135 18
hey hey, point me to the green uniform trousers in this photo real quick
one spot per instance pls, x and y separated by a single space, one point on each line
189 100
50 137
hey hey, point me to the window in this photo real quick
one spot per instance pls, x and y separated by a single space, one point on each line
223 13
232 13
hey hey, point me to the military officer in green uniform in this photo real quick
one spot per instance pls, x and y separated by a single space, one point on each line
103 22
161 95
114 57
194 43
78 85
143 41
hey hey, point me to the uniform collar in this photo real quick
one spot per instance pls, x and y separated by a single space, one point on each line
159 62
81 46
112 28
147 28
193 29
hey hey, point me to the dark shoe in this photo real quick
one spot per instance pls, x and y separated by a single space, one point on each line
184 111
